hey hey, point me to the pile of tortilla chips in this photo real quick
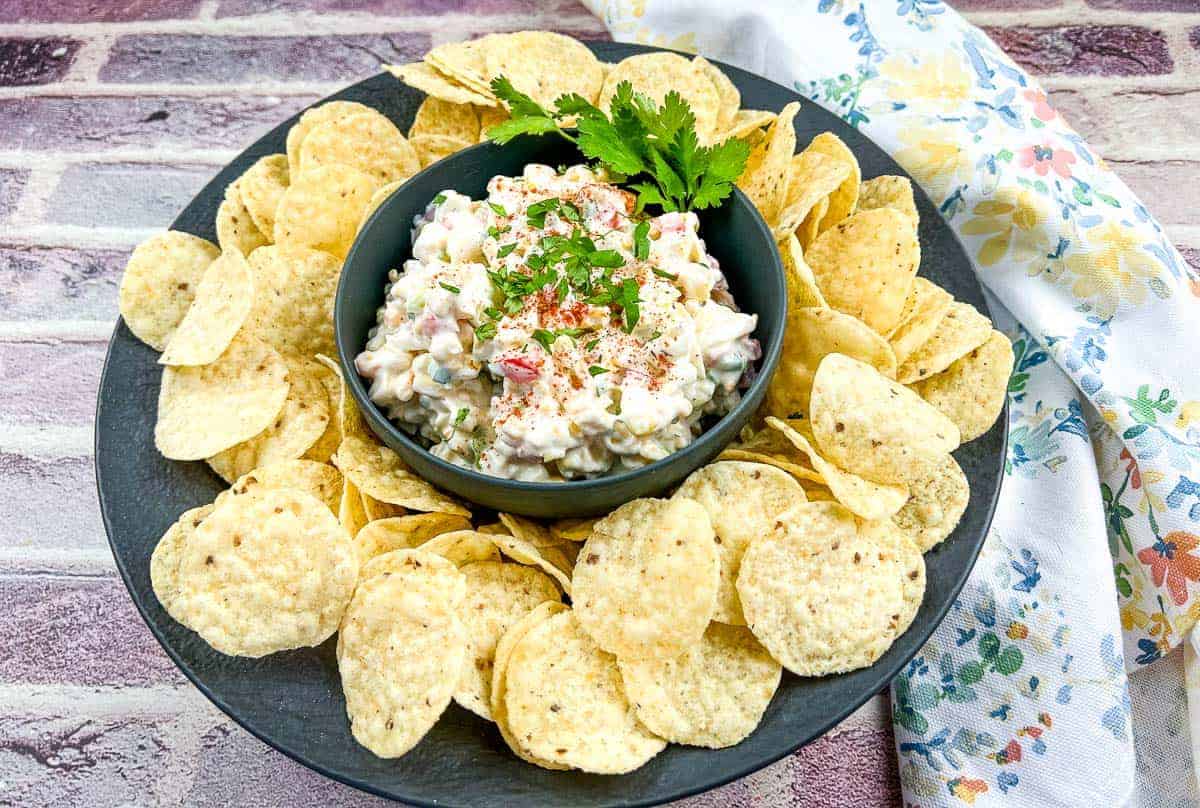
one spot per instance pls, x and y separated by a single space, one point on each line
801 548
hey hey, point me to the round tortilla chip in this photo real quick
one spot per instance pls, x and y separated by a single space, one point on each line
714 694
262 187
294 291
545 65
576 530
803 291
266 571
463 547
765 177
405 532
504 648
164 561
812 177
727 92
927 304
874 427
438 117
889 191
431 148
223 299
646 581
972 390
351 513
865 265
742 501
824 597
498 596
322 207
811 335
378 198
378 471
844 201
938 501
236 230
489 117
429 81
747 122
299 424
206 409
867 499
523 552
960 331
566 702
313 117
160 282
367 141
656 74
400 654
438 571
318 479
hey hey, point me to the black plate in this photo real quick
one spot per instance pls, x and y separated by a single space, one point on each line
293 700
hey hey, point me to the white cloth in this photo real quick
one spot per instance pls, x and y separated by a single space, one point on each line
1092 566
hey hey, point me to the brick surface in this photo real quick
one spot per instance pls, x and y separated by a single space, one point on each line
1108 50
58 283
12 184
1192 256
1167 187
851 769
35 61
966 7
96 10
124 194
245 59
49 504
82 631
551 9
1146 5
1115 124
50 381
97 124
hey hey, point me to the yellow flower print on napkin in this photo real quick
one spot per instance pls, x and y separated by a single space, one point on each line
936 157
1111 267
928 81
1014 221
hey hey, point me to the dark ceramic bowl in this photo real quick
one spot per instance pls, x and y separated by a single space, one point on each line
734 233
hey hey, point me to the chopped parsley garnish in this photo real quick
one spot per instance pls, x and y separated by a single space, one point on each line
449 288
596 370
657 146
461 416
546 337
485 331
506 250
439 199
535 214
655 335
497 232
497 209
641 241
591 346
662 273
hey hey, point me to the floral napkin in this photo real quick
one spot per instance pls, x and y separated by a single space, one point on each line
1031 692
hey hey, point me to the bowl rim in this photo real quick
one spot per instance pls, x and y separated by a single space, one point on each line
768 363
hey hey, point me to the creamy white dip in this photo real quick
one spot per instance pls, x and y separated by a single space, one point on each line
549 332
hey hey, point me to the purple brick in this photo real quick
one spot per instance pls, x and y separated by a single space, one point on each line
1145 5
59 283
36 393
97 123
1194 37
536 8
186 59
12 183
1108 50
855 768
35 61
49 504
83 631
124 194
1167 187
1192 256
96 10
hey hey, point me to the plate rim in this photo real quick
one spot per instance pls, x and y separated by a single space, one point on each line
882 677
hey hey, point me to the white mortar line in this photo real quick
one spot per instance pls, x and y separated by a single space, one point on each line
46 441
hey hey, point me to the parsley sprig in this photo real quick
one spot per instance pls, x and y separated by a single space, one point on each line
655 146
